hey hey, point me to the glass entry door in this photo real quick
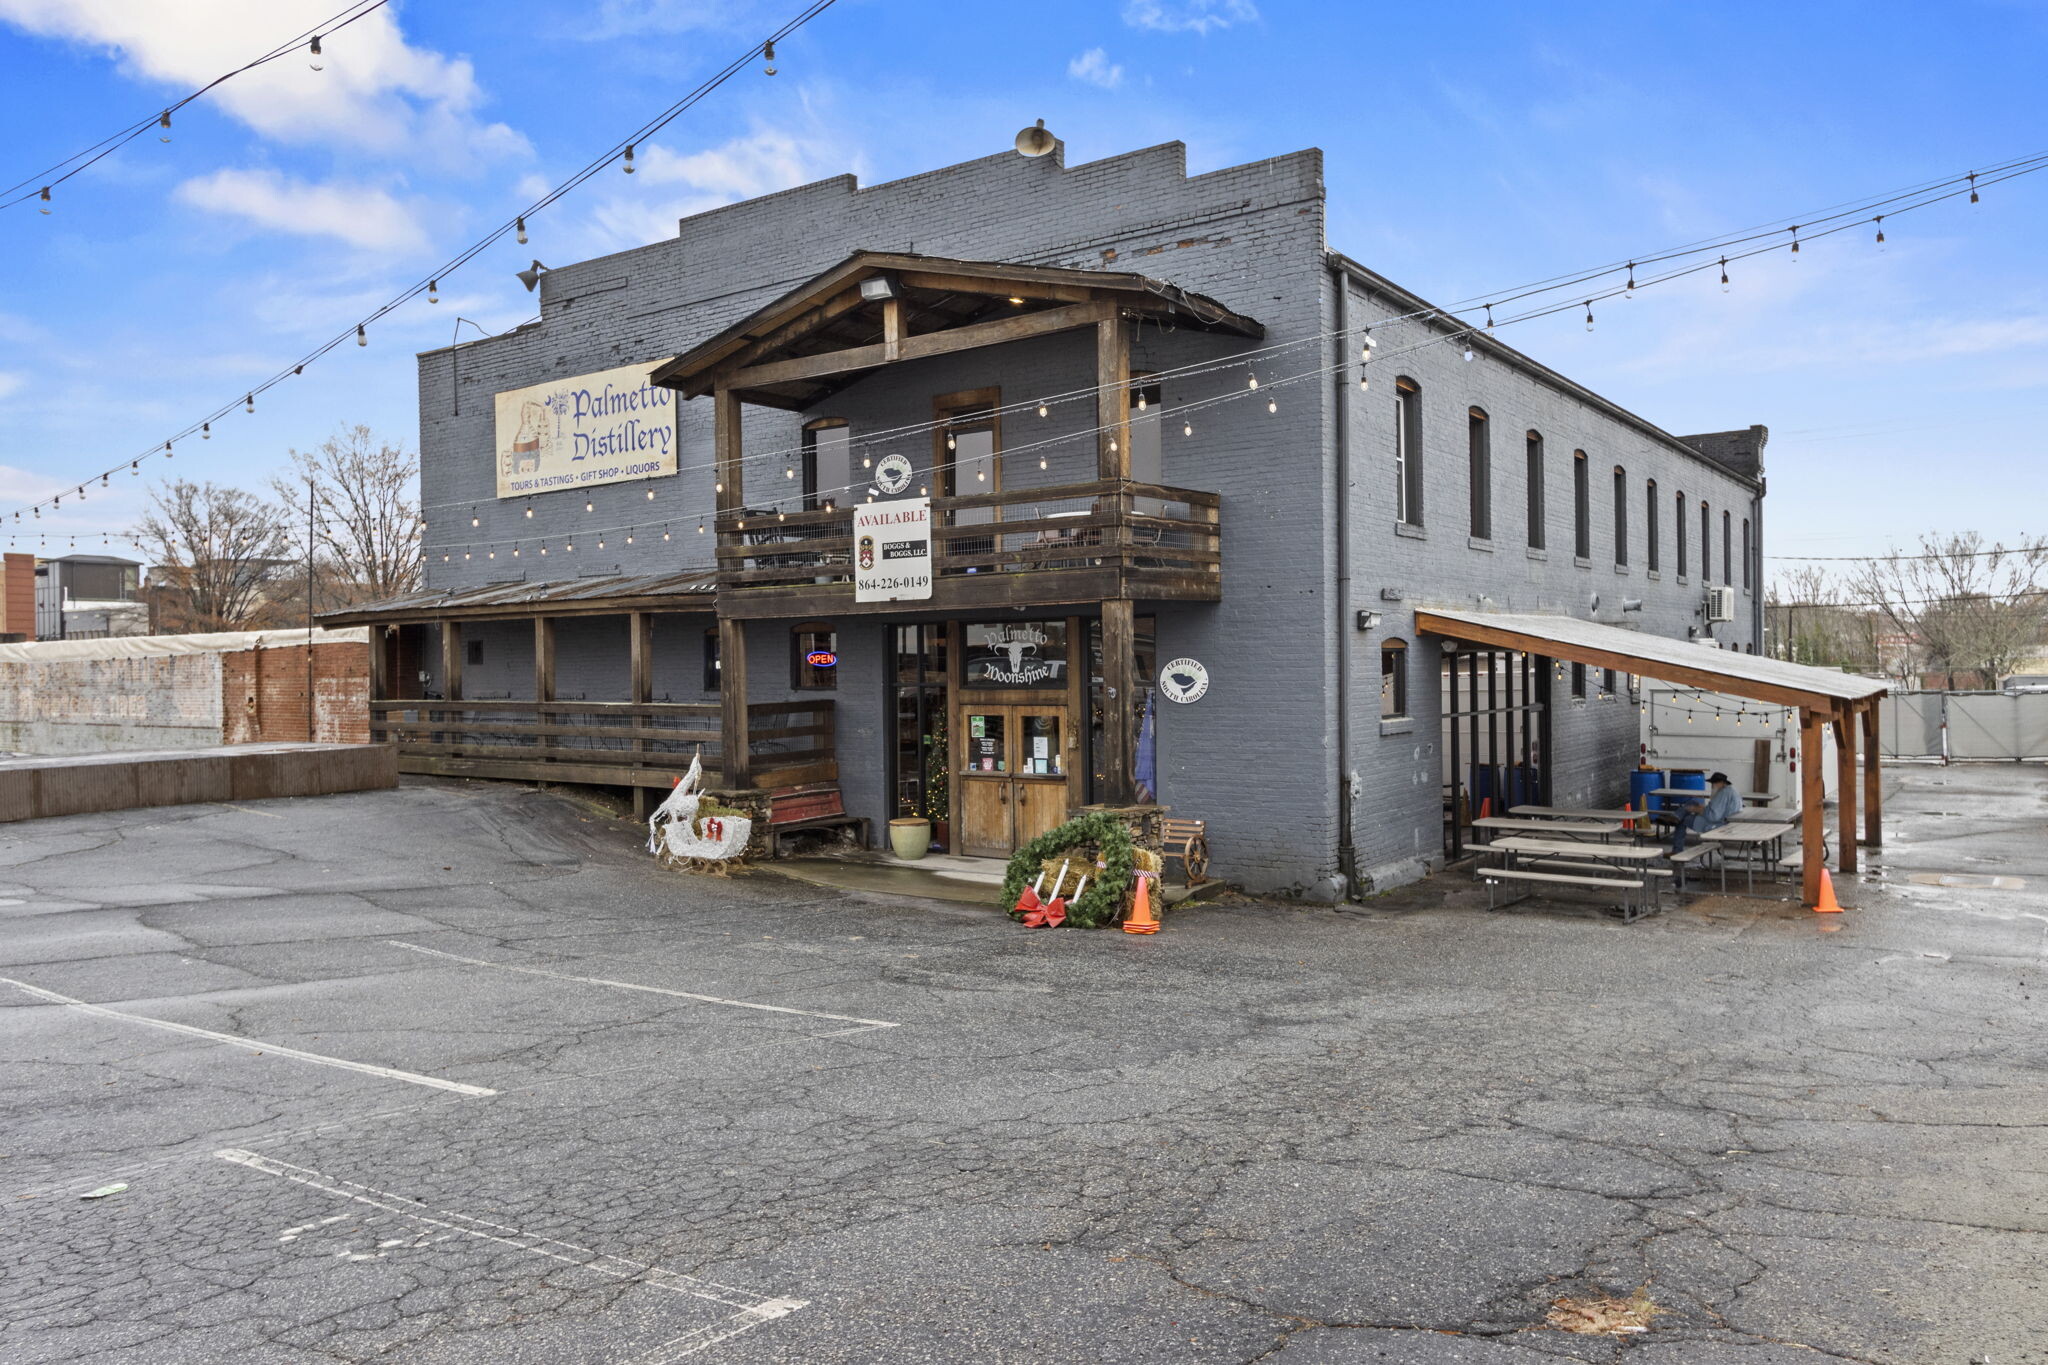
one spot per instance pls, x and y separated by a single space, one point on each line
923 767
1013 775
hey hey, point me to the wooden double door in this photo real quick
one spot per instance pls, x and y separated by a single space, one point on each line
1013 762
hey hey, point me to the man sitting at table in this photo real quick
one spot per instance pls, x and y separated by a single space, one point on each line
1699 817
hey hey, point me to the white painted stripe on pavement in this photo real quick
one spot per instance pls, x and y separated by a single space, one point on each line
692 1342
656 990
267 1049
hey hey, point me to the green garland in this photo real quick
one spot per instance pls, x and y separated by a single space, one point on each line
1103 902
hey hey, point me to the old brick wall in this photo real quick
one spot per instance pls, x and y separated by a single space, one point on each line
86 706
264 699
17 596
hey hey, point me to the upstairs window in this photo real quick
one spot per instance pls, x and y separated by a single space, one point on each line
1727 549
1748 553
1650 525
1479 470
1706 542
1678 524
1534 442
1582 507
1620 515
1393 679
1579 681
828 463
1408 451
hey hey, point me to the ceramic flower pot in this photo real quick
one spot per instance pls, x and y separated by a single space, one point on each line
910 838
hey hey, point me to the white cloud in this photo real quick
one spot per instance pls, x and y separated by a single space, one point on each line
11 382
1188 16
1094 67
672 185
359 215
375 91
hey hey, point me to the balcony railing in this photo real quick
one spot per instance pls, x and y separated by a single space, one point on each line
644 744
1140 529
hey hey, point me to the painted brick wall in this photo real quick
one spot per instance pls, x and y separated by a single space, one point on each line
86 706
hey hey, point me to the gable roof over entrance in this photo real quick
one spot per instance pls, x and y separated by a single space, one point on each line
826 333
1655 656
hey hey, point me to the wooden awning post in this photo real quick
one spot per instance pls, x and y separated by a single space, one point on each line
727 451
451 660
1119 691
640 633
734 763
380 663
1812 803
1845 788
1873 781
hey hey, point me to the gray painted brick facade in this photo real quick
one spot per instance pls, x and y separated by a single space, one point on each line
1255 756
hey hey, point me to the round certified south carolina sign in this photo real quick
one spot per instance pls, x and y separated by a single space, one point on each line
892 474
1184 680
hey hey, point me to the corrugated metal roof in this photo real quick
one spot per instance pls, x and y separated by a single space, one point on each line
560 592
1738 674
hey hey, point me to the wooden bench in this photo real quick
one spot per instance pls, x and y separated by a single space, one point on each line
1187 840
1630 911
793 810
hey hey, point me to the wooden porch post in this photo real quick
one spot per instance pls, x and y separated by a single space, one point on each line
640 690
543 674
726 446
380 679
1119 686
451 660
1873 781
1113 440
736 769
1845 787
1812 800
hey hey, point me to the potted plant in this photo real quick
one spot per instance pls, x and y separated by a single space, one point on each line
910 837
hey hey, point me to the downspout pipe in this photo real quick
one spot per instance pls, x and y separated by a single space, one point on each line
1340 597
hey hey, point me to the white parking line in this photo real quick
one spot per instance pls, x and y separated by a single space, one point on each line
751 1309
867 1024
254 1044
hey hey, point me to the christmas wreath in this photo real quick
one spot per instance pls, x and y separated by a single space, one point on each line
1104 837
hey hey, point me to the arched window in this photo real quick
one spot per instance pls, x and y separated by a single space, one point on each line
1408 451
1479 472
1620 516
1748 553
1393 679
1582 507
1706 542
1534 442
1678 525
1650 525
1727 551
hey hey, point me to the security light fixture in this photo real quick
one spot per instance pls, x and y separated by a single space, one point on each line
878 287
530 277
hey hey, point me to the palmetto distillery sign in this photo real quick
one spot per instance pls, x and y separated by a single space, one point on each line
608 427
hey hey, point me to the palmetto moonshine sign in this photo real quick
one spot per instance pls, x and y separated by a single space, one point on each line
608 427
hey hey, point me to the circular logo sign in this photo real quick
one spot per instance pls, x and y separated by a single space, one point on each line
892 474
1184 680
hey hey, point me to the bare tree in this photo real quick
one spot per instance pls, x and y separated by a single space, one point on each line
216 554
1971 608
367 518
1813 621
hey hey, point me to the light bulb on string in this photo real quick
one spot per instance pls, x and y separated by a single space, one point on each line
1879 220
629 540
629 158
206 431
789 471
493 554
1252 382
587 504
529 511
1724 274
520 224
1365 345
163 121
433 291
1973 187
1629 291
1187 428
167 451
600 542
1589 315
650 493
474 520
1041 462
362 337
44 207
867 462
664 534
951 443
1272 405
1468 349
1794 230
1489 319
251 402
1041 407
768 56
313 50
1141 400
1363 382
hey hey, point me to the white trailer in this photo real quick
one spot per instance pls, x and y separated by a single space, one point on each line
1686 729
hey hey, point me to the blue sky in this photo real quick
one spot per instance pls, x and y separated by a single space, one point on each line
1468 148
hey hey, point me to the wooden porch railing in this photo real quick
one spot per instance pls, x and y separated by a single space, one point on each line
1067 526
637 744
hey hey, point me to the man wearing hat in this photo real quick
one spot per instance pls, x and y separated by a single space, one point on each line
1699 817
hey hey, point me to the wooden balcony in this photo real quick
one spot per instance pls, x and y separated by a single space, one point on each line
624 744
1069 543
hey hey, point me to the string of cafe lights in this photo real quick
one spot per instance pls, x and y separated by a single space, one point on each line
54 175
1826 224
1970 183
619 153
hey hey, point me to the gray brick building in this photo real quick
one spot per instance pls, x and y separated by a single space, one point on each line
1071 337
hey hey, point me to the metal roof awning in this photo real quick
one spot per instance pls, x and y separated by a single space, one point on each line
1655 656
693 590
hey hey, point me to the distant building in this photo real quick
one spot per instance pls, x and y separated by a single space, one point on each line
89 597
17 598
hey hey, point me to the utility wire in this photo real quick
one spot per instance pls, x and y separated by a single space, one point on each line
54 175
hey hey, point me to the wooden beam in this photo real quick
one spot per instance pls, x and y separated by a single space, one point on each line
1845 789
940 282
380 663
1812 799
727 450
1873 780
733 762
1119 686
1112 399
797 328
892 329
1621 662
924 346
640 632
543 658
451 660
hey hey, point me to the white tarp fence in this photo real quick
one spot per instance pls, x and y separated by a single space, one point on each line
158 646
1974 725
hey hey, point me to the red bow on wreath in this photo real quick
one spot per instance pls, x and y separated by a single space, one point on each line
714 828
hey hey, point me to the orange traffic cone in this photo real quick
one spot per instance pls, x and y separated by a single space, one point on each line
1141 921
1828 904
1485 806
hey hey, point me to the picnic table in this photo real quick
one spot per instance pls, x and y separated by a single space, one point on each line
1571 829
1573 813
1554 860
1755 839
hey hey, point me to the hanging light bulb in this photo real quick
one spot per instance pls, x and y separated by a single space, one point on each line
568 547
474 520
1253 382
314 51
529 511
515 552
1041 462
1365 345
362 337
1630 291
789 471
664 534
981 476
1272 405
768 56
1724 274
629 158
206 431
167 451
1112 444
1141 400
493 554
629 540
650 493
923 491
251 401
1489 319
1187 428
1363 382
586 504
163 121
465 554
44 207
951 443
520 223
1795 239
433 291
782 516
1973 187
1879 220
135 468
444 559
1041 407
1589 315
719 486
1468 350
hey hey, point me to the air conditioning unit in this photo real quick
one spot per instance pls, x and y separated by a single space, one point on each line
1720 604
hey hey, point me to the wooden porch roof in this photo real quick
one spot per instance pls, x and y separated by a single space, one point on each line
690 590
825 334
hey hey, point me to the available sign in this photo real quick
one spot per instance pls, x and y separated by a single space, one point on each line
892 550
608 427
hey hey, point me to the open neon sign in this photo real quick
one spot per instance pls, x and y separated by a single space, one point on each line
822 658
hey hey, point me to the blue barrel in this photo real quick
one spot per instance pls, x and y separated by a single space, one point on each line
1693 780
1640 785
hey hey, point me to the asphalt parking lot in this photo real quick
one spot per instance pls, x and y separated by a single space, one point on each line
456 1074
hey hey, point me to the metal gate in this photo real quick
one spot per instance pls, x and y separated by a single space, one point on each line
1496 722
1964 725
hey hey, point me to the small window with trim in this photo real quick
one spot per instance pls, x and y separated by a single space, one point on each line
1393 679
814 656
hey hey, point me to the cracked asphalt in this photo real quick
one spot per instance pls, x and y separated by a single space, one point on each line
530 1107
